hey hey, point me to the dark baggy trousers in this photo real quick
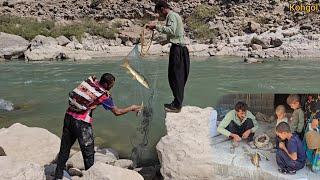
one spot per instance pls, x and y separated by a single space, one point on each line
178 72
239 130
286 163
74 129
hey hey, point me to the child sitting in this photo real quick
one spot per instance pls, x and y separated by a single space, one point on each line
291 155
297 120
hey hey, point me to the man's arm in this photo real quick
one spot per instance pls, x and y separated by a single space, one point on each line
109 105
224 123
121 111
300 122
292 155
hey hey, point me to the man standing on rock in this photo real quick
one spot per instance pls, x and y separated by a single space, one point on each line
239 124
179 61
78 118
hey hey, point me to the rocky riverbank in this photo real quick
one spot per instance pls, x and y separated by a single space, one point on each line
261 29
277 43
29 153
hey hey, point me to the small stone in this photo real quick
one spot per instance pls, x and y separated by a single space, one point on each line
252 60
256 47
129 43
75 172
2 153
306 27
276 42
253 26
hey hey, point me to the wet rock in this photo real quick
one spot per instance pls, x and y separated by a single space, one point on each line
30 144
148 173
12 46
6 105
50 169
252 60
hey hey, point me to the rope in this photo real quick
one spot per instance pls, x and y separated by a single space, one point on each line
145 45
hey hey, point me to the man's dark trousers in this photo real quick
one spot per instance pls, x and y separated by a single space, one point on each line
74 129
239 130
178 72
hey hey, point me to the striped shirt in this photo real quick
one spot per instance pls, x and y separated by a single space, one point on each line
86 116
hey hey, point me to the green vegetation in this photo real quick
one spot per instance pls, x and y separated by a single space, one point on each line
198 21
25 27
29 28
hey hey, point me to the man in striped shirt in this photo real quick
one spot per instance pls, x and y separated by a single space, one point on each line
78 118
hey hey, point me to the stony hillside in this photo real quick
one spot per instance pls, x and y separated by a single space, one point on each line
224 18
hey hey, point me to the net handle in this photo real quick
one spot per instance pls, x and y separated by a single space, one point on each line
143 42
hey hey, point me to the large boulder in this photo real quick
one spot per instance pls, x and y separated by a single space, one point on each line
14 169
12 46
185 151
30 144
104 171
44 48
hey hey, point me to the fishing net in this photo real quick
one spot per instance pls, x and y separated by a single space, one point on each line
138 61
146 40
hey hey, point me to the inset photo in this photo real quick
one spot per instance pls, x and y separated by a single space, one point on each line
260 134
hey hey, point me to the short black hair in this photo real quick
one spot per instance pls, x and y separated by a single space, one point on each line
161 4
107 78
241 106
283 127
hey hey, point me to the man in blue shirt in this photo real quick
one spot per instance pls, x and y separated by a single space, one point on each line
291 155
